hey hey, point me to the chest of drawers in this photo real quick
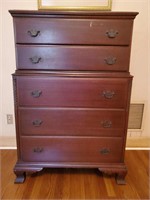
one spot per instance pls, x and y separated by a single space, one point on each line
72 90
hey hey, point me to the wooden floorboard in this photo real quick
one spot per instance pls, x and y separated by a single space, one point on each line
77 183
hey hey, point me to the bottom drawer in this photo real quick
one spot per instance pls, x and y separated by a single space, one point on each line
71 149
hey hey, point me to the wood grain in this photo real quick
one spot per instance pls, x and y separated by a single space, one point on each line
66 42
71 122
59 30
72 92
67 57
77 183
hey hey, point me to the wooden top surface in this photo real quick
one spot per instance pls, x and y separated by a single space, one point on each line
102 14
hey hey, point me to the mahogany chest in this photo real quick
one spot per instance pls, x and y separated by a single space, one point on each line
72 90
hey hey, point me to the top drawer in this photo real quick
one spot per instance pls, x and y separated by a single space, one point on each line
73 31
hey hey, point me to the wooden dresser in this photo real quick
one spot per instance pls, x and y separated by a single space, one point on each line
72 90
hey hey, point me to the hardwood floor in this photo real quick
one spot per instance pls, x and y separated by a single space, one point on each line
77 183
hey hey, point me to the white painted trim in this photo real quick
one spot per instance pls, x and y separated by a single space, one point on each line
138 148
127 148
8 148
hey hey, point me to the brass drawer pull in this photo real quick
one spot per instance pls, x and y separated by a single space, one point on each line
105 151
110 60
33 33
106 124
37 122
36 93
112 33
108 94
35 59
38 150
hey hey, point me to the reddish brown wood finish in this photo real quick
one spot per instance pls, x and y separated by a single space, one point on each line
81 92
71 122
72 90
71 149
73 31
106 58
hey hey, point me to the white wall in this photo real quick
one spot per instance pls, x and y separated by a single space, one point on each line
8 59
139 57
139 66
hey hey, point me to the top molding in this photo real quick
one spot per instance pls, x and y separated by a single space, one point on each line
68 14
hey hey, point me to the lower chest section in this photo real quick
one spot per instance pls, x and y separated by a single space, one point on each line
71 119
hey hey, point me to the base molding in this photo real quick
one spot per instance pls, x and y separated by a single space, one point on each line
21 169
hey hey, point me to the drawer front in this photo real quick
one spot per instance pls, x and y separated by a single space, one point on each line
73 31
71 149
73 92
73 57
71 122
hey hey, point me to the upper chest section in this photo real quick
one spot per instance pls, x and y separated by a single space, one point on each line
85 28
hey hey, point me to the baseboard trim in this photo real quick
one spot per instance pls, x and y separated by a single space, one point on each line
133 143
138 148
7 148
127 148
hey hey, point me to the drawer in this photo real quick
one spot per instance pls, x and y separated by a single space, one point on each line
73 31
71 149
73 92
108 58
71 122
